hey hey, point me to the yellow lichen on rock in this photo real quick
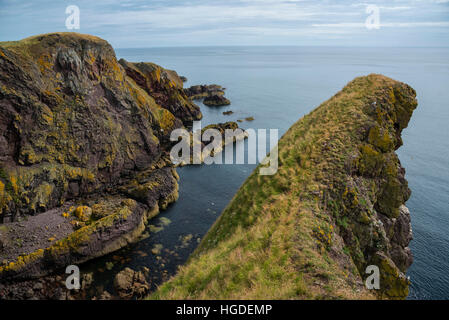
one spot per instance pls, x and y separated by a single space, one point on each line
83 213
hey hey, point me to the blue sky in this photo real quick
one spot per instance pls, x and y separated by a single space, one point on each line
159 23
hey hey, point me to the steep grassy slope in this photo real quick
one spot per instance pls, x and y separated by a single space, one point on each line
334 207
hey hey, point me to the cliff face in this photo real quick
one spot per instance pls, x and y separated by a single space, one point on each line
335 206
79 128
165 86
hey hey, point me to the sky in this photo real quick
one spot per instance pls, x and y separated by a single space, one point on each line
172 23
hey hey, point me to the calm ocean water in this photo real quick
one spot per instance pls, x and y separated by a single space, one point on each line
277 86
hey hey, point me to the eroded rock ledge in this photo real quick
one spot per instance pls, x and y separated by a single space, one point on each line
84 143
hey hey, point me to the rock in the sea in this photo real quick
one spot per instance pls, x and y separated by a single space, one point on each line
216 100
213 94
227 113
203 91
131 284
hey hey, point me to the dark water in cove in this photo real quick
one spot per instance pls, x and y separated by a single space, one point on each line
277 86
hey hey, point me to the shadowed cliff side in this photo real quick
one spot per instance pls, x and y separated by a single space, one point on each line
83 150
335 206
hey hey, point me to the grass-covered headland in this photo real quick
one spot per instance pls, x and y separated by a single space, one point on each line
335 206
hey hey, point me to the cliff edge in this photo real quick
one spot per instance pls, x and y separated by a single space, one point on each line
334 207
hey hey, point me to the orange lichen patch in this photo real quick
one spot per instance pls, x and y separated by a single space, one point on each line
166 120
380 138
91 58
83 213
45 62
47 115
23 261
13 180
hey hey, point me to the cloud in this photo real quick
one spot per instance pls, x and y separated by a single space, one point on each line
207 22
442 24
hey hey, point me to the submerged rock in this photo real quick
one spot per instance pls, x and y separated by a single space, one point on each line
131 284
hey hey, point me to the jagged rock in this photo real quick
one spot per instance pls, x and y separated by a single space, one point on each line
240 134
131 284
213 94
203 91
166 87
216 100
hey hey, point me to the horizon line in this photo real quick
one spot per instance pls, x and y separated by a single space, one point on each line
280 45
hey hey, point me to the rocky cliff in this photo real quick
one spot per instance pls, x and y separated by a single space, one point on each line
83 150
334 207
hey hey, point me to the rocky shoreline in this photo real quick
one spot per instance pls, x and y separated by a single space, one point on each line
84 142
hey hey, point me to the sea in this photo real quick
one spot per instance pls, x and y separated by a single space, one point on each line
277 86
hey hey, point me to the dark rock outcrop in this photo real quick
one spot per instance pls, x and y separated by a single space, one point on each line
216 100
202 91
165 86
213 94
77 125
131 284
